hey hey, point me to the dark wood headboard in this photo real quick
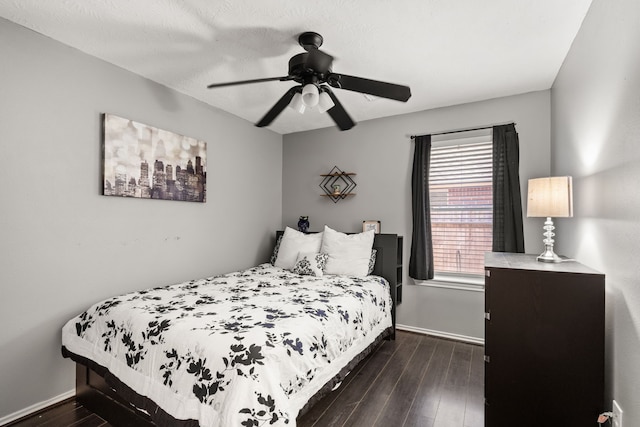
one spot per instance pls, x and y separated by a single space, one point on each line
386 265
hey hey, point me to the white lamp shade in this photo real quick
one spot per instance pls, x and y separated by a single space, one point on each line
325 103
310 95
550 197
297 104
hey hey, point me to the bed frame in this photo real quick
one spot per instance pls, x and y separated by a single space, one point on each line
95 385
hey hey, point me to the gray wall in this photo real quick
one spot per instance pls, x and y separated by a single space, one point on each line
63 245
381 153
596 139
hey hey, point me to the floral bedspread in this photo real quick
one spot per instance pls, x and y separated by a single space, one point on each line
248 348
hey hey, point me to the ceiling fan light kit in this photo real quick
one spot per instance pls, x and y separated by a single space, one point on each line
325 103
312 71
297 104
310 95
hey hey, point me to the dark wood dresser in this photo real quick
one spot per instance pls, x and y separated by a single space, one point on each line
544 342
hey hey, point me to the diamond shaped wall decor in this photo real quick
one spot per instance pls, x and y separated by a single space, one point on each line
337 184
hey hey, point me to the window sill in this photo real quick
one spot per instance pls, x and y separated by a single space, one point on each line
454 281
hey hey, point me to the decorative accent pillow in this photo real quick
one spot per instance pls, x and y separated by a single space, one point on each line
294 242
349 254
276 248
310 264
372 261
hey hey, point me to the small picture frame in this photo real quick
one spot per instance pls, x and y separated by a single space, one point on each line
371 225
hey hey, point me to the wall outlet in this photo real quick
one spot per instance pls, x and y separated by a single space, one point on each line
617 415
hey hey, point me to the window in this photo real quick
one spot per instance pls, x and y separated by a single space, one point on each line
460 193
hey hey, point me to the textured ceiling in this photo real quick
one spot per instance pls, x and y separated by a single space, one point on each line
448 51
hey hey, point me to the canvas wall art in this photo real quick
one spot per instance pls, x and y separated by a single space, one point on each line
145 162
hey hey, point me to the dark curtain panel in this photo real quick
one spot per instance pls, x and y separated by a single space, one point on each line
421 261
508 235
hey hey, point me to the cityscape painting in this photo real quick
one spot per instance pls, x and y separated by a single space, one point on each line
145 162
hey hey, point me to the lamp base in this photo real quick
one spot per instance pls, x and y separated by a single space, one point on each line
549 256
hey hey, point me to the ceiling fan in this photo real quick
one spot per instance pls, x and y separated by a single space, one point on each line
312 70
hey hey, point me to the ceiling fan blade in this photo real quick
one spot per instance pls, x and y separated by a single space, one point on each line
338 113
278 107
318 61
371 87
242 82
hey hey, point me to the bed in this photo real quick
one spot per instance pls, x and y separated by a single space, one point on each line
248 348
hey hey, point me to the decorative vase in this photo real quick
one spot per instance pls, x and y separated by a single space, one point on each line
303 224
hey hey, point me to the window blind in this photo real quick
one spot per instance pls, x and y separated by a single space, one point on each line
460 191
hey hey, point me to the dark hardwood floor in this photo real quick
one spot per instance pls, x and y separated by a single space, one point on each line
415 380
67 413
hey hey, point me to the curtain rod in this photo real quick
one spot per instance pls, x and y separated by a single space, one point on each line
464 130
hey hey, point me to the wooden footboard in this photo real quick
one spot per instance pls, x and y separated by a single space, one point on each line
126 408
93 393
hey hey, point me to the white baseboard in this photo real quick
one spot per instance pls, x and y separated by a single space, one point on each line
36 407
448 335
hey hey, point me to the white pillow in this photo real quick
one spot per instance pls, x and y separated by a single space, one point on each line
349 254
293 242
310 264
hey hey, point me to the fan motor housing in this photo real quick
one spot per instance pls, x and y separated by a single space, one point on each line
302 74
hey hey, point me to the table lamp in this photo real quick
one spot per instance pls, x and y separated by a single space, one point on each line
550 197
